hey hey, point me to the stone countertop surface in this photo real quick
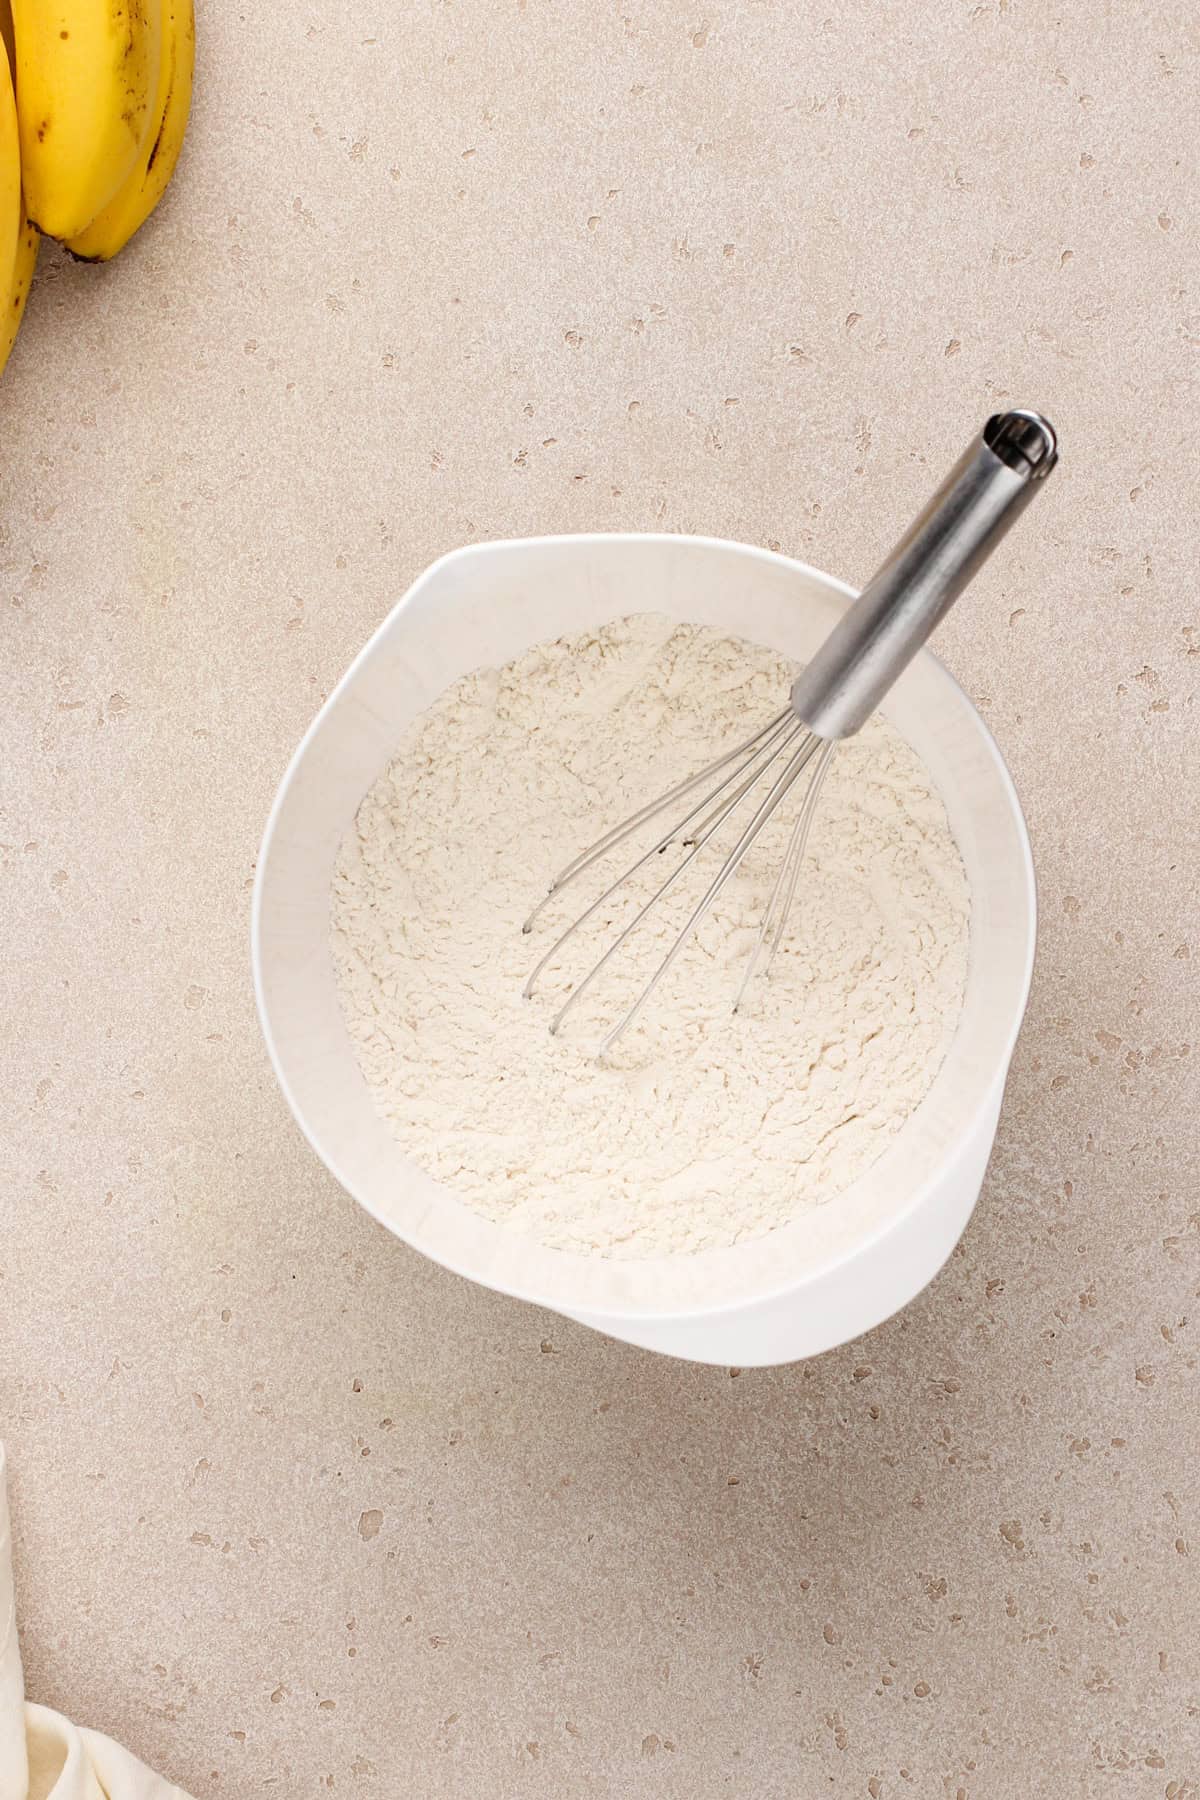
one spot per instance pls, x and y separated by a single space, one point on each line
296 1510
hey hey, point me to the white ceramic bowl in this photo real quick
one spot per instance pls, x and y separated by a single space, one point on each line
838 1269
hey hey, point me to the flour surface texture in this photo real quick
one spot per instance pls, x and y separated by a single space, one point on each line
703 1128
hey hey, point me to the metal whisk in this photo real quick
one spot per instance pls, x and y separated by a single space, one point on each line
831 699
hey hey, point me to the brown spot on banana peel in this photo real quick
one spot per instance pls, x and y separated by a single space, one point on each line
166 111
150 160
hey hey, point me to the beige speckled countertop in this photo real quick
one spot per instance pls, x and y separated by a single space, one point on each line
296 1511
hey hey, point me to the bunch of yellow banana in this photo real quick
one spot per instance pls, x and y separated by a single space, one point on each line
94 98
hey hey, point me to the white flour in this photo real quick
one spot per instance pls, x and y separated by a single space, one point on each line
705 1127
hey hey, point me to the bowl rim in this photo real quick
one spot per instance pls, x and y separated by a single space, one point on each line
794 1283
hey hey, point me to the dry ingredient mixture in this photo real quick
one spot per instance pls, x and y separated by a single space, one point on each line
704 1127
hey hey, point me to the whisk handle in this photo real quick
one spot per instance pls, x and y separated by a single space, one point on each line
910 595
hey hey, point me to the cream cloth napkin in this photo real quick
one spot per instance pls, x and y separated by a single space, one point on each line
42 1755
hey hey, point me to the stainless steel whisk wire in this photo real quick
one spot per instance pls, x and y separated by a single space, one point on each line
831 699
783 894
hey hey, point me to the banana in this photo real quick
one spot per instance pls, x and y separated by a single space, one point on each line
144 186
28 243
11 216
86 76
20 239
